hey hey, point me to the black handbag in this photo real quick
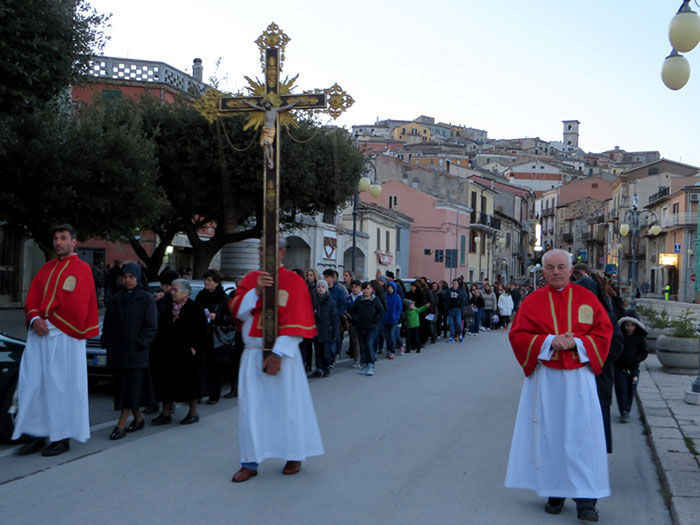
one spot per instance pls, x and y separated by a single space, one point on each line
223 337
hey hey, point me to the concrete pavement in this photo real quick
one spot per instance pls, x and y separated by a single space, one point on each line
425 440
673 429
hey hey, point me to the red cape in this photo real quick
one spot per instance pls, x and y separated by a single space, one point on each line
64 293
547 311
295 313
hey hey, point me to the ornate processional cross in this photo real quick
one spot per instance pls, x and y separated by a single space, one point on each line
268 105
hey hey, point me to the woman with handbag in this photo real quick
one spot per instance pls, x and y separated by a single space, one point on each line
220 329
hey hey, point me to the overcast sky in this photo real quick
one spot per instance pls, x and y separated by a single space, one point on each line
513 68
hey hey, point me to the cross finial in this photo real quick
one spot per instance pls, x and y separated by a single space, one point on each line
273 36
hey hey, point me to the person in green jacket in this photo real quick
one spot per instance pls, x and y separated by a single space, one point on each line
412 322
667 292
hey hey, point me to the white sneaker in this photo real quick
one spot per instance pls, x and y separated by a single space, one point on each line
356 363
363 370
370 369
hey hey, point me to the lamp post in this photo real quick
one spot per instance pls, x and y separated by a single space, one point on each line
631 227
375 190
533 270
684 35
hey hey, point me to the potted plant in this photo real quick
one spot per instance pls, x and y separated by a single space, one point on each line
678 352
659 324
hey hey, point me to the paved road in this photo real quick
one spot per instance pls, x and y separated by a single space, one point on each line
425 440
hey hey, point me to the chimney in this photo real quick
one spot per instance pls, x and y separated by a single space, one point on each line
197 69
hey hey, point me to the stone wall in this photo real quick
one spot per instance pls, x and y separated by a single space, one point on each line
674 308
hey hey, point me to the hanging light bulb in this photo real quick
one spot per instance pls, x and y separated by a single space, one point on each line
655 229
684 29
675 71
375 190
364 184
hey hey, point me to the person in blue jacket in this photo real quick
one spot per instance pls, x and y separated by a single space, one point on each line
394 307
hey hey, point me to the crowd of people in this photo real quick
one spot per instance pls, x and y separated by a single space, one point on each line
390 317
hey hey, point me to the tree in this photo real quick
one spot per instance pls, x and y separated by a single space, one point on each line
94 169
45 46
208 182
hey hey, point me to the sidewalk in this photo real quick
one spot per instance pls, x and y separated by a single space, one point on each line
673 431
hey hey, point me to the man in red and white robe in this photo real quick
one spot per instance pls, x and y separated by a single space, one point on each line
61 313
276 414
561 337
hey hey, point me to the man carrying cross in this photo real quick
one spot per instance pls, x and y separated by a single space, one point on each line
276 415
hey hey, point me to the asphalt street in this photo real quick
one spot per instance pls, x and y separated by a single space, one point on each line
425 440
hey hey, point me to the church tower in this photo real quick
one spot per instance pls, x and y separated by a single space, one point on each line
571 133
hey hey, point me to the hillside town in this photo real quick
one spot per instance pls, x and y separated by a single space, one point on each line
445 201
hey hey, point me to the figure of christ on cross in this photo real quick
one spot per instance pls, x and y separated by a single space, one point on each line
267 135
272 103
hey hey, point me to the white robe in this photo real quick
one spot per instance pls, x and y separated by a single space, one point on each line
53 391
558 447
276 414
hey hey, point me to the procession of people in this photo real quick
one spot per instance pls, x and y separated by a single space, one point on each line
167 348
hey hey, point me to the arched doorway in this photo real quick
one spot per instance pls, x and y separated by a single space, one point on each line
298 254
360 265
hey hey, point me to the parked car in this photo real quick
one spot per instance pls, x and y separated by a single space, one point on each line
10 355
97 356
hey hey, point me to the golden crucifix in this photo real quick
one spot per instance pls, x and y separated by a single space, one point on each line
268 105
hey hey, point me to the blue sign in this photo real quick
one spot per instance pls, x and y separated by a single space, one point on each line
583 255
611 269
677 248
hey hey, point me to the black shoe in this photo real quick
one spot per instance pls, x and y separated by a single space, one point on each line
317 373
57 448
231 394
117 433
135 425
587 514
162 420
211 401
326 373
31 446
189 419
554 505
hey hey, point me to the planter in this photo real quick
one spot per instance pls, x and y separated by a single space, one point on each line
678 355
652 336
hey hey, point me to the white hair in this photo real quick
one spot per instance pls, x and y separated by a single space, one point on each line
547 254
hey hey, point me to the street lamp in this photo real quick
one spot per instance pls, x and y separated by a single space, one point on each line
533 270
631 227
684 35
375 190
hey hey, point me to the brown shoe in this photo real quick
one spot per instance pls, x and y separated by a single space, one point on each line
244 475
291 468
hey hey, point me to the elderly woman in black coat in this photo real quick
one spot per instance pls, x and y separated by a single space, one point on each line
178 352
129 326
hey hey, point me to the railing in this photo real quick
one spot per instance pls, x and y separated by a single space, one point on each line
145 71
568 237
679 219
547 211
613 214
663 191
484 219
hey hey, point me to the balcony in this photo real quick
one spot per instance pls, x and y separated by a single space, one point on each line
145 71
678 220
640 255
613 214
480 219
663 191
547 212
598 237
568 237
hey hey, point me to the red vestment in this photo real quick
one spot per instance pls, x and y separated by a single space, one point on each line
295 312
63 292
547 311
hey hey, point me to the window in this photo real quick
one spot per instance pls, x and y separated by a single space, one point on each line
393 201
379 239
594 185
450 258
472 242
654 170
439 255
483 246
111 94
398 239
328 217
387 245
462 250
